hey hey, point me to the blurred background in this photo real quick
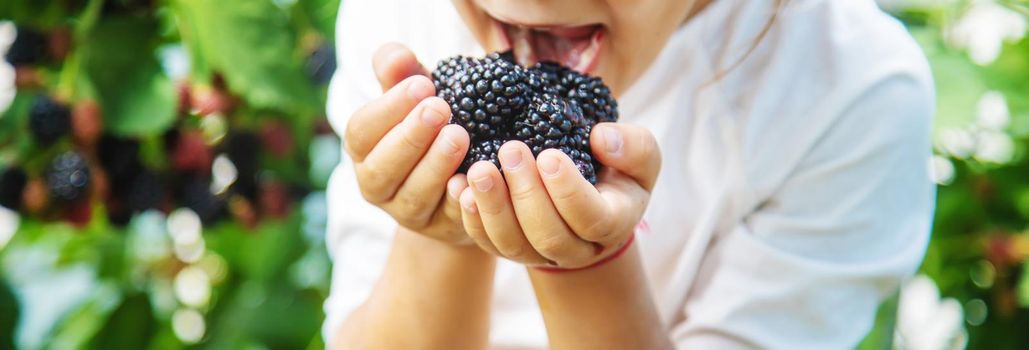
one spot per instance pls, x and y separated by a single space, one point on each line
163 166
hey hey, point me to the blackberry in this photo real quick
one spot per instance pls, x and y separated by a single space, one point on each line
589 93
195 193
544 106
29 47
145 191
483 150
551 122
120 157
49 120
67 177
320 64
12 183
484 95
242 149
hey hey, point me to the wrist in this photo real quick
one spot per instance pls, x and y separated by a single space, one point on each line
439 248
610 257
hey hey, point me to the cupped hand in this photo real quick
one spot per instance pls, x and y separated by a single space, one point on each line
542 212
405 154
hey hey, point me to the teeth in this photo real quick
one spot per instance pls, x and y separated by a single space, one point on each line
586 57
522 45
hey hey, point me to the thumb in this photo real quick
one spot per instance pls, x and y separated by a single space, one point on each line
630 149
393 63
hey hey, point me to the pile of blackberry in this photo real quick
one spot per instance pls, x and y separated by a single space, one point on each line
545 106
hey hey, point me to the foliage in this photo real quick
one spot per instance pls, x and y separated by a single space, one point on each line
150 71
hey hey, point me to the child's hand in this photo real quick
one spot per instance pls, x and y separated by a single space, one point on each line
404 152
543 212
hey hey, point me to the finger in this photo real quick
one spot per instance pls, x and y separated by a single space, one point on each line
498 218
473 223
581 205
419 195
369 123
629 149
390 162
394 62
543 226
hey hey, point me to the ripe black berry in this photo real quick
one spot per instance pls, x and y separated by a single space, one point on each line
12 183
145 191
482 150
29 47
49 120
545 106
195 193
321 63
484 95
242 149
120 158
68 177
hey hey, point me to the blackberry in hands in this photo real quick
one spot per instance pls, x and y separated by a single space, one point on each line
484 95
544 106
49 120
12 183
67 177
589 93
29 47
482 150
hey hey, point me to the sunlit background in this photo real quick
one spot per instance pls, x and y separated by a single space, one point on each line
163 166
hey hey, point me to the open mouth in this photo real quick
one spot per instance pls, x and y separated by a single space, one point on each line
575 47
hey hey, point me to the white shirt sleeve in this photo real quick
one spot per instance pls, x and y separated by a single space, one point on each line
807 268
358 234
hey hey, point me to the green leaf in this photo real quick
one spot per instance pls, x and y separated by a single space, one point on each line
252 44
958 88
129 327
137 98
321 14
9 315
1023 287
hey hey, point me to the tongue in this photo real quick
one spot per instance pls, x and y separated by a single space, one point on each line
576 51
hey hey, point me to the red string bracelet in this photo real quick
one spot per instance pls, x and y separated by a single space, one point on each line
609 258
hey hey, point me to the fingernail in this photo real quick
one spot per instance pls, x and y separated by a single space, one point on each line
431 117
612 140
419 89
469 204
511 158
549 165
450 142
454 190
483 184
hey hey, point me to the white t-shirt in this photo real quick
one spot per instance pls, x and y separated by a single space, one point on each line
794 194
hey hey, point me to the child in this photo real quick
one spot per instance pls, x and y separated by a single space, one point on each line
791 139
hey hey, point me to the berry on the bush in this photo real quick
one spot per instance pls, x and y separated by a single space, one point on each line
120 157
12 183
321 63
545 106
145 191
49 120
67 177
29 47
194 192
